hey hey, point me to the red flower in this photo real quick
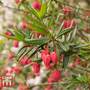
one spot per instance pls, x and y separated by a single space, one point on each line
54 57
36 5
46 58
46 51
67 10
23 25
47 61
10 55
36 68
24 60
55 76
68 24
15 43
8 33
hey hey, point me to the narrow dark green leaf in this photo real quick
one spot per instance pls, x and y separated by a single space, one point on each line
63 32
39 29
60 28
65 61
19 35
43 9
36 41
58 52
34 20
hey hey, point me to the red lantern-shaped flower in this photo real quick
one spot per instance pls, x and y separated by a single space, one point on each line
36 68
55 76
54 57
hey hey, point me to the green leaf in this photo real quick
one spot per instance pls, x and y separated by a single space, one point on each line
19 35
58 51
9 37
63 32
35 20
83 79
37 26
39 29
60 28
43 9
34 12
65 60
64 46
36 41
36 49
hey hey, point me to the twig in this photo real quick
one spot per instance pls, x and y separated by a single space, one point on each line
83 69
45 84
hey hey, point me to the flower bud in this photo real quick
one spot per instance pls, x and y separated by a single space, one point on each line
36 5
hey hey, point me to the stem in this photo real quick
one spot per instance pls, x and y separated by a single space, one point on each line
83 69
45 84
9 37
